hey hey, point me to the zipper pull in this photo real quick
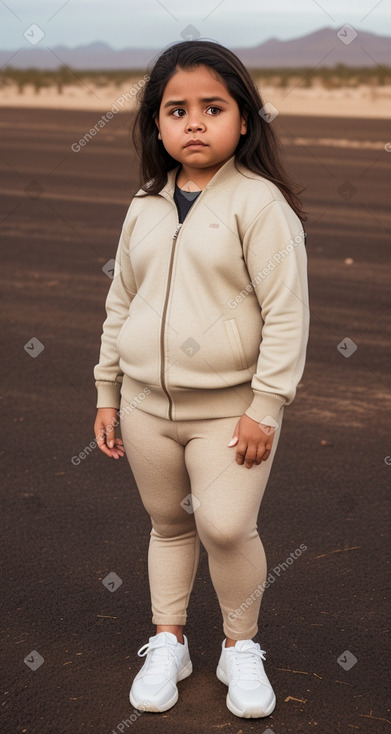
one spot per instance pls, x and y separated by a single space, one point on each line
177 231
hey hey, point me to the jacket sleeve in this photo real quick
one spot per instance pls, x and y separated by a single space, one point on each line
107 373
276 259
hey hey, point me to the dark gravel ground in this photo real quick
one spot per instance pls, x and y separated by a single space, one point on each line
64 527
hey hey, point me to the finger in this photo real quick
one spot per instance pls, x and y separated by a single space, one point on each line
235 436
233 441
119 450
250 458
266 455
115 452
241 453
100 435
261 451
101 438
110 435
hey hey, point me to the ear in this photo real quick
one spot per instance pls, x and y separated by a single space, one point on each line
244 119
157 125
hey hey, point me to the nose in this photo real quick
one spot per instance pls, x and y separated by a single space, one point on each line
193 126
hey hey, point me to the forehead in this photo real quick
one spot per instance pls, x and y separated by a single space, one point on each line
198 80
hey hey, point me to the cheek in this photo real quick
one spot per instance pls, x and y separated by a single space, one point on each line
232 124
169 135
168 128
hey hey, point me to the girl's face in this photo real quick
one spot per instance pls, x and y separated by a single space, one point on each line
197 106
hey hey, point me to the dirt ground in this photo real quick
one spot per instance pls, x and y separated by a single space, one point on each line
66 525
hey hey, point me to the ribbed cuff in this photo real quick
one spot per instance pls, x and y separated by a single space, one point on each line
109 394
238 634
264 407
180 619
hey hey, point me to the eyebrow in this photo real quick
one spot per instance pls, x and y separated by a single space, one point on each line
180 102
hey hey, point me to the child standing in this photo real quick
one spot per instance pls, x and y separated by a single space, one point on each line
203 345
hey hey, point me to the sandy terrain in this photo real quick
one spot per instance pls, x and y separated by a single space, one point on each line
66 526
362 101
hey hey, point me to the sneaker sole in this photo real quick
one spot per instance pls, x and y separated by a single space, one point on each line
154 708
260 713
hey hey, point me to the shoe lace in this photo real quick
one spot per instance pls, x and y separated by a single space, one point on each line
159 654
247 664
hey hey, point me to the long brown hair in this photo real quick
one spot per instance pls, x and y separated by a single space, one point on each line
259 149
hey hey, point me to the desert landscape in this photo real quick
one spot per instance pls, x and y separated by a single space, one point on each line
69 171
68 521
292 93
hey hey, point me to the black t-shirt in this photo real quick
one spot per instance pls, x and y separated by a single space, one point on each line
184 200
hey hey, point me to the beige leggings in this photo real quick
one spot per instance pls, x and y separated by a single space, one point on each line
193 490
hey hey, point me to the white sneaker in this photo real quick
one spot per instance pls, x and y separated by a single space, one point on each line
250 693
168 661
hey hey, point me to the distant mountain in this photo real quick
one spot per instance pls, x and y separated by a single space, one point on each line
319 49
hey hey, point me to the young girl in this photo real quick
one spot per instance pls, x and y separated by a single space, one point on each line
203 345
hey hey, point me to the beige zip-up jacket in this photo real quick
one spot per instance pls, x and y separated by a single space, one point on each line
209 318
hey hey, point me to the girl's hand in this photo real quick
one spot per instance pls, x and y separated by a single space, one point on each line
104 431
254 441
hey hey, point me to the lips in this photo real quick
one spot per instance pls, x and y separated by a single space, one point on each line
195 143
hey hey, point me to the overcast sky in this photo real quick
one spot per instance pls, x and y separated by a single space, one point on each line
156 23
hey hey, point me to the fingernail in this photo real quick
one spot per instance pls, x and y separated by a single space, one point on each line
233 441
111 444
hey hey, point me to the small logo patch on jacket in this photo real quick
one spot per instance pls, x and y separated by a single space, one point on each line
215 225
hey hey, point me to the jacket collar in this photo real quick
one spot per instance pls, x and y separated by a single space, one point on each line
224 174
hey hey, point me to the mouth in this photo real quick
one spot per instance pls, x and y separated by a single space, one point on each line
195 144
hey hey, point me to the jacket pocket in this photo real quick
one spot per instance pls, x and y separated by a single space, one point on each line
236 344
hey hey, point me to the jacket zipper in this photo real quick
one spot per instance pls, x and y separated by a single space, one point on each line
162 330
165 306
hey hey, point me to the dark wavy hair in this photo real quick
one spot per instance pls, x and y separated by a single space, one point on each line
259 149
